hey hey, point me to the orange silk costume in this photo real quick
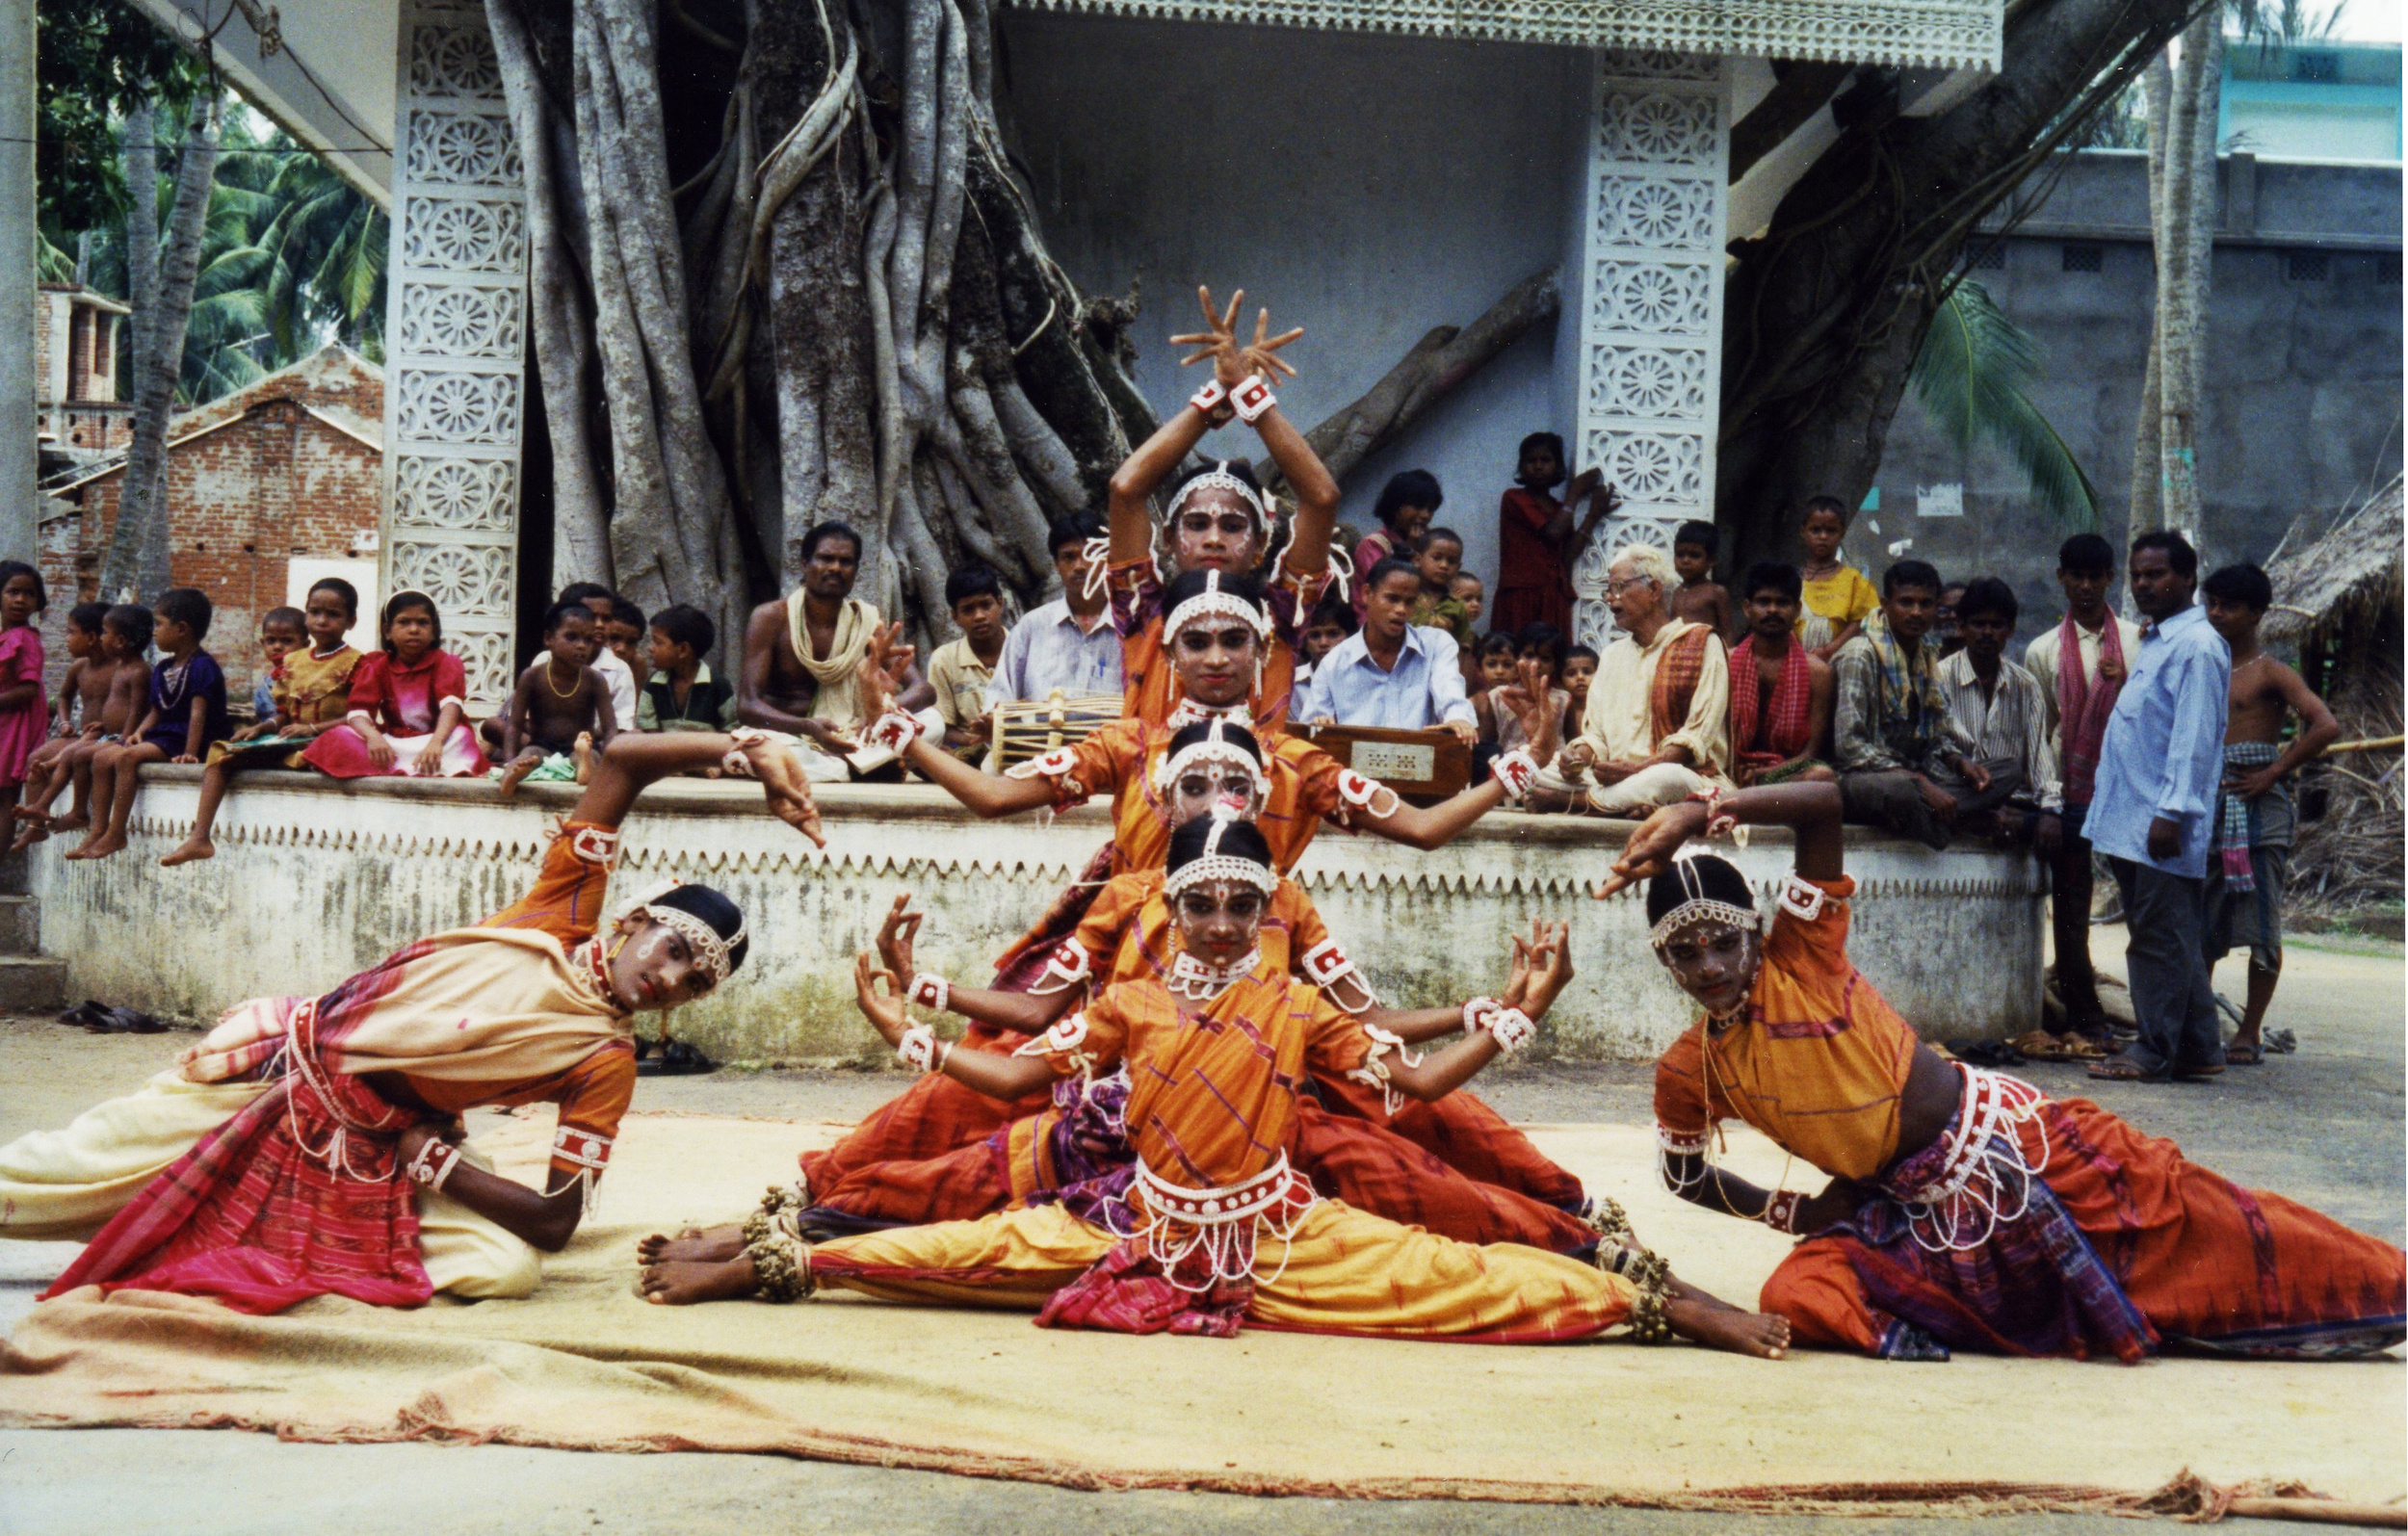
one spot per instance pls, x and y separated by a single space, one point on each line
2171 1251
1214 1098
1151 688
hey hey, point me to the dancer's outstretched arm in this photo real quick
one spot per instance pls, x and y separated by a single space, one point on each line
635 759
1027 1012
880 993
1549 970
1811 810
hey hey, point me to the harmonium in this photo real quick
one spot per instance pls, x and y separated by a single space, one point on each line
1424 766
1026 729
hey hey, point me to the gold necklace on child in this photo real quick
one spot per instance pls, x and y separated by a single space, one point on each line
558 691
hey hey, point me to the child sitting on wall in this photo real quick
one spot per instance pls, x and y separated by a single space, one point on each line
561 710
406 705
682 695
1580 669
960 669
77 714
279 636
185 717
623 636
1700 599
1331 621
1496 670
310 692
124 635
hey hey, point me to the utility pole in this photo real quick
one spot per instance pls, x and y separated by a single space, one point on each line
19 456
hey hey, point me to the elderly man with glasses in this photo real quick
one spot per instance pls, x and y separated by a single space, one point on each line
1657 726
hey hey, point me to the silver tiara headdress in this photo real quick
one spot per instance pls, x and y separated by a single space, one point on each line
1214 603
1215 747
1218 478
713 955
1215 864
1696 906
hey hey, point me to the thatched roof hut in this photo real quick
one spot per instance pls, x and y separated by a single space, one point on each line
2349 576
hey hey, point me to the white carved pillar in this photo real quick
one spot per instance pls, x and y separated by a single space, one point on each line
454 339
1651 304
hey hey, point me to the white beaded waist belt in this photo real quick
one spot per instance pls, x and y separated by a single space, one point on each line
1219 1225
1985 1175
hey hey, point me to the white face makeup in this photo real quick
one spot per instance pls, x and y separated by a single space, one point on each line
1207 785
1220 919
1714 962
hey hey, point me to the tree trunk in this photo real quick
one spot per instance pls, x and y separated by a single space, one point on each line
1826 311
136 560
141 231
2147 509
2182 280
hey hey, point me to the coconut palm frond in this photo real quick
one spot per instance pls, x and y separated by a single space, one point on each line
1971 377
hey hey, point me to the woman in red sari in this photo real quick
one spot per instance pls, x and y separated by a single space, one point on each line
327 1124
1967 1209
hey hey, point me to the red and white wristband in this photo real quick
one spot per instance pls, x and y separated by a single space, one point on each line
1517 771
1512 1029
922 1051
1477 1012
1781 1210
738 763
434 1164
1253 397
895 729
1210 398
931 991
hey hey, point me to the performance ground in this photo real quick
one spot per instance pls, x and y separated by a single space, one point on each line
2324 1126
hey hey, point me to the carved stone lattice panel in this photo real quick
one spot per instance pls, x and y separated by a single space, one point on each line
1678 39
456 325
455 494
459 236
1650 303
450 319
465 580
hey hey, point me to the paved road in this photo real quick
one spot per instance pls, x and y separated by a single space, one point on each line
2324 1125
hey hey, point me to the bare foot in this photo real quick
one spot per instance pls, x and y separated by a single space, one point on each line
516 774
31 833
583 752
192 850
693 1245
1760 1333
99 847
682 1284
72 821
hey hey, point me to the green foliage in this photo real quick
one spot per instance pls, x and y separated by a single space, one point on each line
95 60
1970 379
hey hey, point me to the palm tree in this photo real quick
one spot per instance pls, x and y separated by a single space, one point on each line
1971 377
327 245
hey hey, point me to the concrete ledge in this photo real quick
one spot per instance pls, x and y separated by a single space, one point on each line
315 879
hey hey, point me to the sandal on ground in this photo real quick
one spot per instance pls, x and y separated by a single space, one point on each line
2122 1068
2282 1042
2242 1054
2048 1045
2199 1072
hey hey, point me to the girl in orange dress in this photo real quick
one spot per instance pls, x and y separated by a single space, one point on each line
1967 1209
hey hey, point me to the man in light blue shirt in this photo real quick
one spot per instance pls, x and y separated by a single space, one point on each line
1068 643
1389 672
2159 767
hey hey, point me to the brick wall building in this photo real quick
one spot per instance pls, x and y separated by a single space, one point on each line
273 485
75 381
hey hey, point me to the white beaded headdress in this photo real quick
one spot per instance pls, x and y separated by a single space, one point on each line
1218 478
1214 603
1696 906
1215 864
712 954
1216 747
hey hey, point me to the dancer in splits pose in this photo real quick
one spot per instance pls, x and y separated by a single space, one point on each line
1966 1209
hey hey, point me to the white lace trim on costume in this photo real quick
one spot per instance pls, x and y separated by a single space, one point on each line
1191 978
1373 1072
1221 1225
1984 1177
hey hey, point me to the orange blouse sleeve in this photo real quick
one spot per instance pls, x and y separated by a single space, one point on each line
1336 1044
593 1097
1096 765
1809 927
1108 921
1684 1116
1085 1043
566 900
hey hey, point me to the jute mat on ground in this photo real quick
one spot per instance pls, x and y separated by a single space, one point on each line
586 1365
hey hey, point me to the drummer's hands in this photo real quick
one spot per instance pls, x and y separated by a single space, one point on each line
1650 850
896 936
883 1008
783 785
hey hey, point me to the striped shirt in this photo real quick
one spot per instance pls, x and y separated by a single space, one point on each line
2012 722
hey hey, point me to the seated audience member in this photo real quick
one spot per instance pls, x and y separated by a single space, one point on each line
561 712
2250 859
124 640
1579 670
1780 690
1440 560
406 703
1699 598
279 636
1656 728
185 717
1492 668
1538 662
616 672
1905 763
2081 664
963 670
2000 706
1068 645
1407 505
1325 628
622 636
682 693
76 717
1472 593
1943 631
1837 598
800 675
1391 674
313 691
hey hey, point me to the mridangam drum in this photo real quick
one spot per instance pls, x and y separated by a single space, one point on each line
1031 728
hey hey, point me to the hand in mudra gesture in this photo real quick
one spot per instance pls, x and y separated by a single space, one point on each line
1650 850
896 936
1232 363
884 666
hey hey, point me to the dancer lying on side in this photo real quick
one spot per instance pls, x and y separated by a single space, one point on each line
1215 1228
1966 1209
312 1145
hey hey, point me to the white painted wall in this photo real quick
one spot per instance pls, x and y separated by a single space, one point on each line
315 879
1368 188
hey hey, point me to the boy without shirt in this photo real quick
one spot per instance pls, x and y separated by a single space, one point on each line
1699 598
1780 707
561 711
2254 818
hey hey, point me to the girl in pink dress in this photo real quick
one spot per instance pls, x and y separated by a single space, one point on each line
25 713
407 703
